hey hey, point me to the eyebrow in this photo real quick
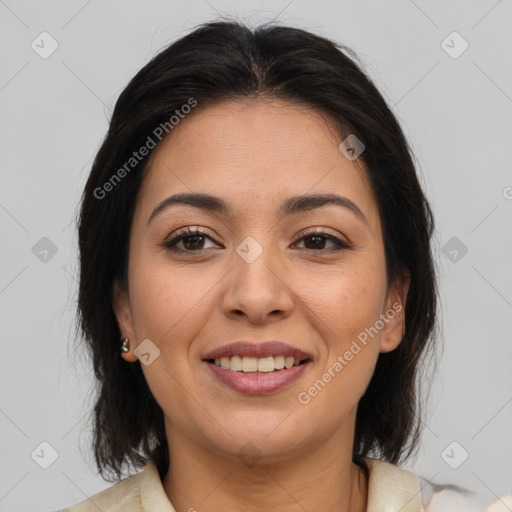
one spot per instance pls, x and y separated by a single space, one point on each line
291 206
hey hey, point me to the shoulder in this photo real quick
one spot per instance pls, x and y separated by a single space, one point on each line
444 498
126 495
451 498
391 487
408 491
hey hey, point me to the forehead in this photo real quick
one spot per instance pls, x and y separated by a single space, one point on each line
232 129
254 150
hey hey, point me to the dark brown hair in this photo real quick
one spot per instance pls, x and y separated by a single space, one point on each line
226 60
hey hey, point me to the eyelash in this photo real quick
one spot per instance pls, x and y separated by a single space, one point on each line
170 244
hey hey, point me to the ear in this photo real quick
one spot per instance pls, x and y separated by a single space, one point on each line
394 314
122 310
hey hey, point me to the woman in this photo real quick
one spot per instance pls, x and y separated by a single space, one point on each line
257 286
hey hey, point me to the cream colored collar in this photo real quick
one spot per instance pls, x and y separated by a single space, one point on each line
392 488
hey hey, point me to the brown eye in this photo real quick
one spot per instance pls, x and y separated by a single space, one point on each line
191 240
316 241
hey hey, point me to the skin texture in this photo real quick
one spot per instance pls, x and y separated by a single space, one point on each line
254 154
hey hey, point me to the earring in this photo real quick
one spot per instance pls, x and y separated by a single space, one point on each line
125 346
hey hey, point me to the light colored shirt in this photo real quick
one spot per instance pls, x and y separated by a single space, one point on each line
390 489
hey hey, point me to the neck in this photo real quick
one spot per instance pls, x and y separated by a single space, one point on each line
323 478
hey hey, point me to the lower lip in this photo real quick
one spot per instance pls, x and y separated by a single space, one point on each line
257 383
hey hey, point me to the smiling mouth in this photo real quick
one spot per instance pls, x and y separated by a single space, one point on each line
256 365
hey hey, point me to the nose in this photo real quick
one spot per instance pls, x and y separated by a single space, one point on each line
257 289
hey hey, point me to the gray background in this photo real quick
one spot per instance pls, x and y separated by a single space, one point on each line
55 111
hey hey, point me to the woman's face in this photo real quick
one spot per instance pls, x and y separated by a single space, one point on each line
258 272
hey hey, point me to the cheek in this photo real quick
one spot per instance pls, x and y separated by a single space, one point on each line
169 308
347 303
166 301
347 300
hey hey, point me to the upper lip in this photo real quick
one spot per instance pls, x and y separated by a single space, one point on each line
257 349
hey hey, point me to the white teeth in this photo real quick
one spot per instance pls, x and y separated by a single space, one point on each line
249 364
256 364
235 364
266 364
278 362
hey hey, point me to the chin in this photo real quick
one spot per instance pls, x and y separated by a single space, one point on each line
275 438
